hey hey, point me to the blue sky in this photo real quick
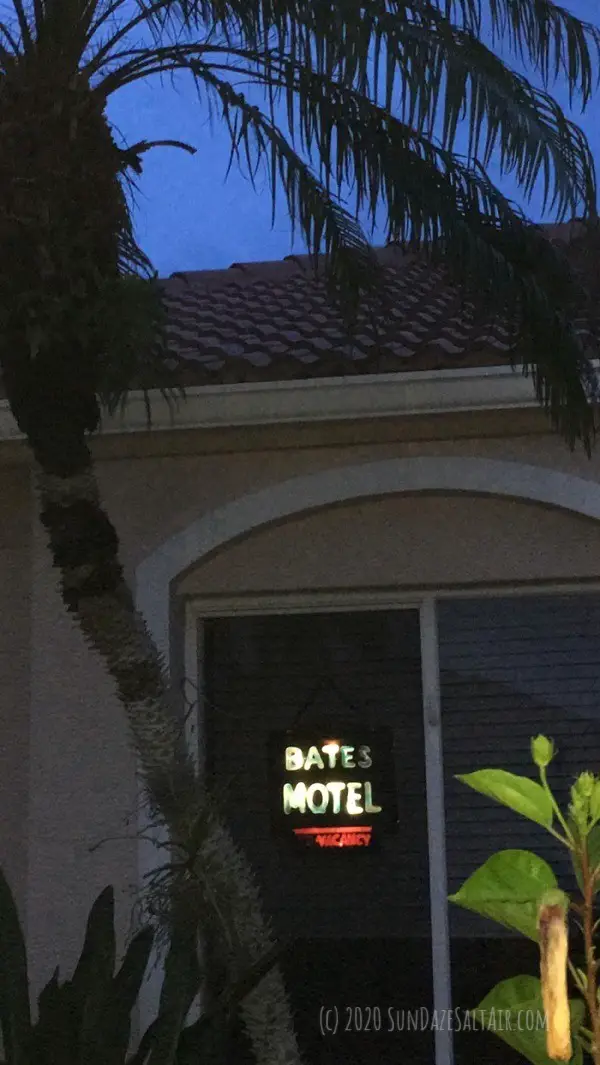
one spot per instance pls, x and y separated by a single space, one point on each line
189 218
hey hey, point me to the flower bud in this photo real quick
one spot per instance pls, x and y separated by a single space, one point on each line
595 802
542 751
585 784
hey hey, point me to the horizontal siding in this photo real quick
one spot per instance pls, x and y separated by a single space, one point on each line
511 668
262 675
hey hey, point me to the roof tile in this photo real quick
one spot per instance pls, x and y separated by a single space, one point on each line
272 320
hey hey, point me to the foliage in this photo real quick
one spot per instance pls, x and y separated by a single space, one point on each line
519 890
374 98
87 1020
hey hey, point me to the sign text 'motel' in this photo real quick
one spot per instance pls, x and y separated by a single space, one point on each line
333 792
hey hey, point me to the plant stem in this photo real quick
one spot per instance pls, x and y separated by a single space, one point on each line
557 810
561 839
590 959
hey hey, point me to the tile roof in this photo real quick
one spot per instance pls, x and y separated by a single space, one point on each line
274 321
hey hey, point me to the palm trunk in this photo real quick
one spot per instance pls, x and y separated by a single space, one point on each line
219 885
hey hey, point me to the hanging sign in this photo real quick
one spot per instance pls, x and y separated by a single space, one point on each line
333 790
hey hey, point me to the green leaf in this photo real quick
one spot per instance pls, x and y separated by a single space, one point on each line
507 889
93 975
125 993
181 983
521 794
99 948
514 1011
15 1016
57 1024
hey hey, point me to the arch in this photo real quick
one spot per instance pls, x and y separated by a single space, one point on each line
300 495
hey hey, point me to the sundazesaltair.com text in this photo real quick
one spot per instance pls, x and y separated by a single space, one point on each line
336 1020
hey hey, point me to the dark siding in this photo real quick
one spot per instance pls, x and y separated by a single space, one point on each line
512 668
261 675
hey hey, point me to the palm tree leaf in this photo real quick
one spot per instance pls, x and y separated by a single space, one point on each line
351 267
551 39
555 42
446 204
24 27
522 127
454 211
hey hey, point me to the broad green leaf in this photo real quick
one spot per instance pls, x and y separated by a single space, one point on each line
125 992
99 947
514 1011
181 983
521 794
507 888
55 1027
93 976
15 1016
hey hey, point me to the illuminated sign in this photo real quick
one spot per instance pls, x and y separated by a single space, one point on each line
336 791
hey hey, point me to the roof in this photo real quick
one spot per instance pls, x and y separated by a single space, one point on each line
266 321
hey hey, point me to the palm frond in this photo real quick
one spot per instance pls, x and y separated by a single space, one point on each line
8 56
364 86
137 355
427 71
552 40
450 209
24 26
352 269
522 128
444 202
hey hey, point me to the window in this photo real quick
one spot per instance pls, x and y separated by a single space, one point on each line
509 667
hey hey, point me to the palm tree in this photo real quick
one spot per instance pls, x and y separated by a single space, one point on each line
374 94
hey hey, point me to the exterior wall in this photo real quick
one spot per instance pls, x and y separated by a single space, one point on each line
62 730
66 774
419 541
153 496
82 782
15 570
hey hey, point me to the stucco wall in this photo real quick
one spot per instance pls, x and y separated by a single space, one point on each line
15 565
62 730
82 774
419 541
152 498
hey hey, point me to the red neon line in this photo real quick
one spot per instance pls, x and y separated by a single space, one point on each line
325 831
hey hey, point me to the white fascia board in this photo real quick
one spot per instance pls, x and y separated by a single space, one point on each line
324 399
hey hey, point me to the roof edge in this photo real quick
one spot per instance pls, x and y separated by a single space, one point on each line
317 400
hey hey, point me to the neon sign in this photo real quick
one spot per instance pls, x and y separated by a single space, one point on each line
333 793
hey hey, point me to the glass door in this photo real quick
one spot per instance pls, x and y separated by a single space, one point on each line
356 918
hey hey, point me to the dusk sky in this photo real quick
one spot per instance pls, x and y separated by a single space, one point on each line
189 218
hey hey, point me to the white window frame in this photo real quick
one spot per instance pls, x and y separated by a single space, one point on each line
199 610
